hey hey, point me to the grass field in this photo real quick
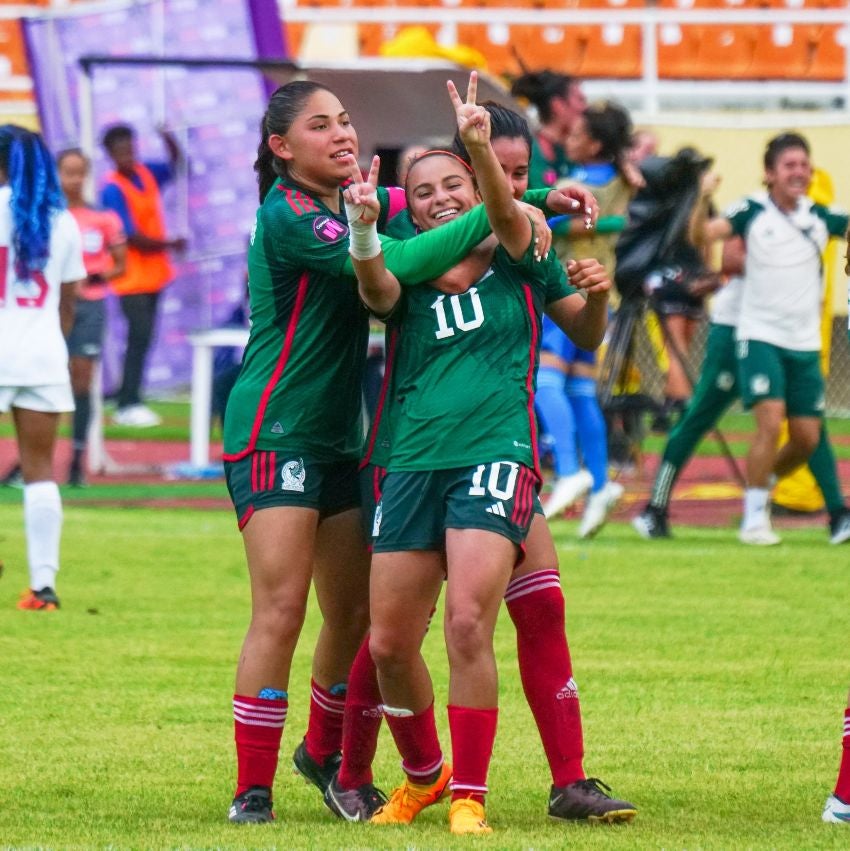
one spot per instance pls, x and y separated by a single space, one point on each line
713 679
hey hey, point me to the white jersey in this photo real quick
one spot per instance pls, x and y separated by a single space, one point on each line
783 275
726 304
32 348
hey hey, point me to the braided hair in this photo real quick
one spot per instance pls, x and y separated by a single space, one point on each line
36 195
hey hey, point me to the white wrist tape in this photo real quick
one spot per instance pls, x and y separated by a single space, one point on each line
363 242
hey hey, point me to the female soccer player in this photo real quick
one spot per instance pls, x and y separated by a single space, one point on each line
534 598
597 143
292 431
40 269
433 497
105 256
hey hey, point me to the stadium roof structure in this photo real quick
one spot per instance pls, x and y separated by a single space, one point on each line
397 101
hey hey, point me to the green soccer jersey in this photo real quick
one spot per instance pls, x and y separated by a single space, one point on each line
464 369
299 388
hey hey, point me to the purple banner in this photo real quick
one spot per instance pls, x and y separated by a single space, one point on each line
215 115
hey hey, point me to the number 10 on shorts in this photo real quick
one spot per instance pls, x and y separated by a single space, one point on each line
499 471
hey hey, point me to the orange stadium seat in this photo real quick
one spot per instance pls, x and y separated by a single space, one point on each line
370 37
677 50
828 58
724 52
293 33
494 41
12 49
611 50
782 52
555 47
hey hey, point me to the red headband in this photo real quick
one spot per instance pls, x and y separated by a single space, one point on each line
433 153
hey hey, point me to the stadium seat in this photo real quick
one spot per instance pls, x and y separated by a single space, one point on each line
611 50
828 58
782 52
724 52
293 34
677 50
555 47
492 40
13 49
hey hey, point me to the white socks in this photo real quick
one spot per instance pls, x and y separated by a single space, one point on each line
755 507
43 524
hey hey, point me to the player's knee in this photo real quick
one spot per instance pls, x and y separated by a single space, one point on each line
467 638
280 619
391 651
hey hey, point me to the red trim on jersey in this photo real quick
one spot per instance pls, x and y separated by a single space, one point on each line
522 499
243 520
392 346
272 463
255 466
378 482
529 379
278 371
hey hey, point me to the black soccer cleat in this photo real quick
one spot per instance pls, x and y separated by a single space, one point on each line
354 804
586 800
320 775
652 523
254 806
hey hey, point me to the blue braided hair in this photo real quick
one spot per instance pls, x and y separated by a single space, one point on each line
36 195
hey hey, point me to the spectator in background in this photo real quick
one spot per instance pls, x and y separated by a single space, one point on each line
41 267
644 144
105 256
558 101
133 192
597 142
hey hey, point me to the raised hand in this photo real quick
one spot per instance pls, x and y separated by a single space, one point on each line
473 121
589 276
574 200
361 197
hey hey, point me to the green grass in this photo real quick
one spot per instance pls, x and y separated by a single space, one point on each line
713 680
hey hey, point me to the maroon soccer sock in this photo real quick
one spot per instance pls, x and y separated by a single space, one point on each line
842 785
473 733
258 726
536 605
361 722
417 741
324 728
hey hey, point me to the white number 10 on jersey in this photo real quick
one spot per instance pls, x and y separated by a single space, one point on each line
460 322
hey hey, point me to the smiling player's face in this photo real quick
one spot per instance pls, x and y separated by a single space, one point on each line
513 156
320 146
439 189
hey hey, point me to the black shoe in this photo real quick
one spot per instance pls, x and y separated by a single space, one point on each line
76 477
586 800
652 523
354 804
13 478
319 775
252 807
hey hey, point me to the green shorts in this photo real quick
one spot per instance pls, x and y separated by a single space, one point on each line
766 371
266 479
416 507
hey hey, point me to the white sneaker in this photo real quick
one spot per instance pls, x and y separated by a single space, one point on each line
598 507
566 491
138 416
759 536
836 811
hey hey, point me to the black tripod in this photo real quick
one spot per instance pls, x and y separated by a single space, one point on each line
614 376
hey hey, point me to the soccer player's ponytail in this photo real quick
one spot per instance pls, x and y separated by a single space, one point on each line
36 195
283 108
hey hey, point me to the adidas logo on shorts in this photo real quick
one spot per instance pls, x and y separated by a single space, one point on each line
497 508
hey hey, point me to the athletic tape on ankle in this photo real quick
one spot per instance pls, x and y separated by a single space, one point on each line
397 712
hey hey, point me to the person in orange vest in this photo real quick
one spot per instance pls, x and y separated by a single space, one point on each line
133 192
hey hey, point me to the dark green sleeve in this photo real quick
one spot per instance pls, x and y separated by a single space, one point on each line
836 221
430 254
